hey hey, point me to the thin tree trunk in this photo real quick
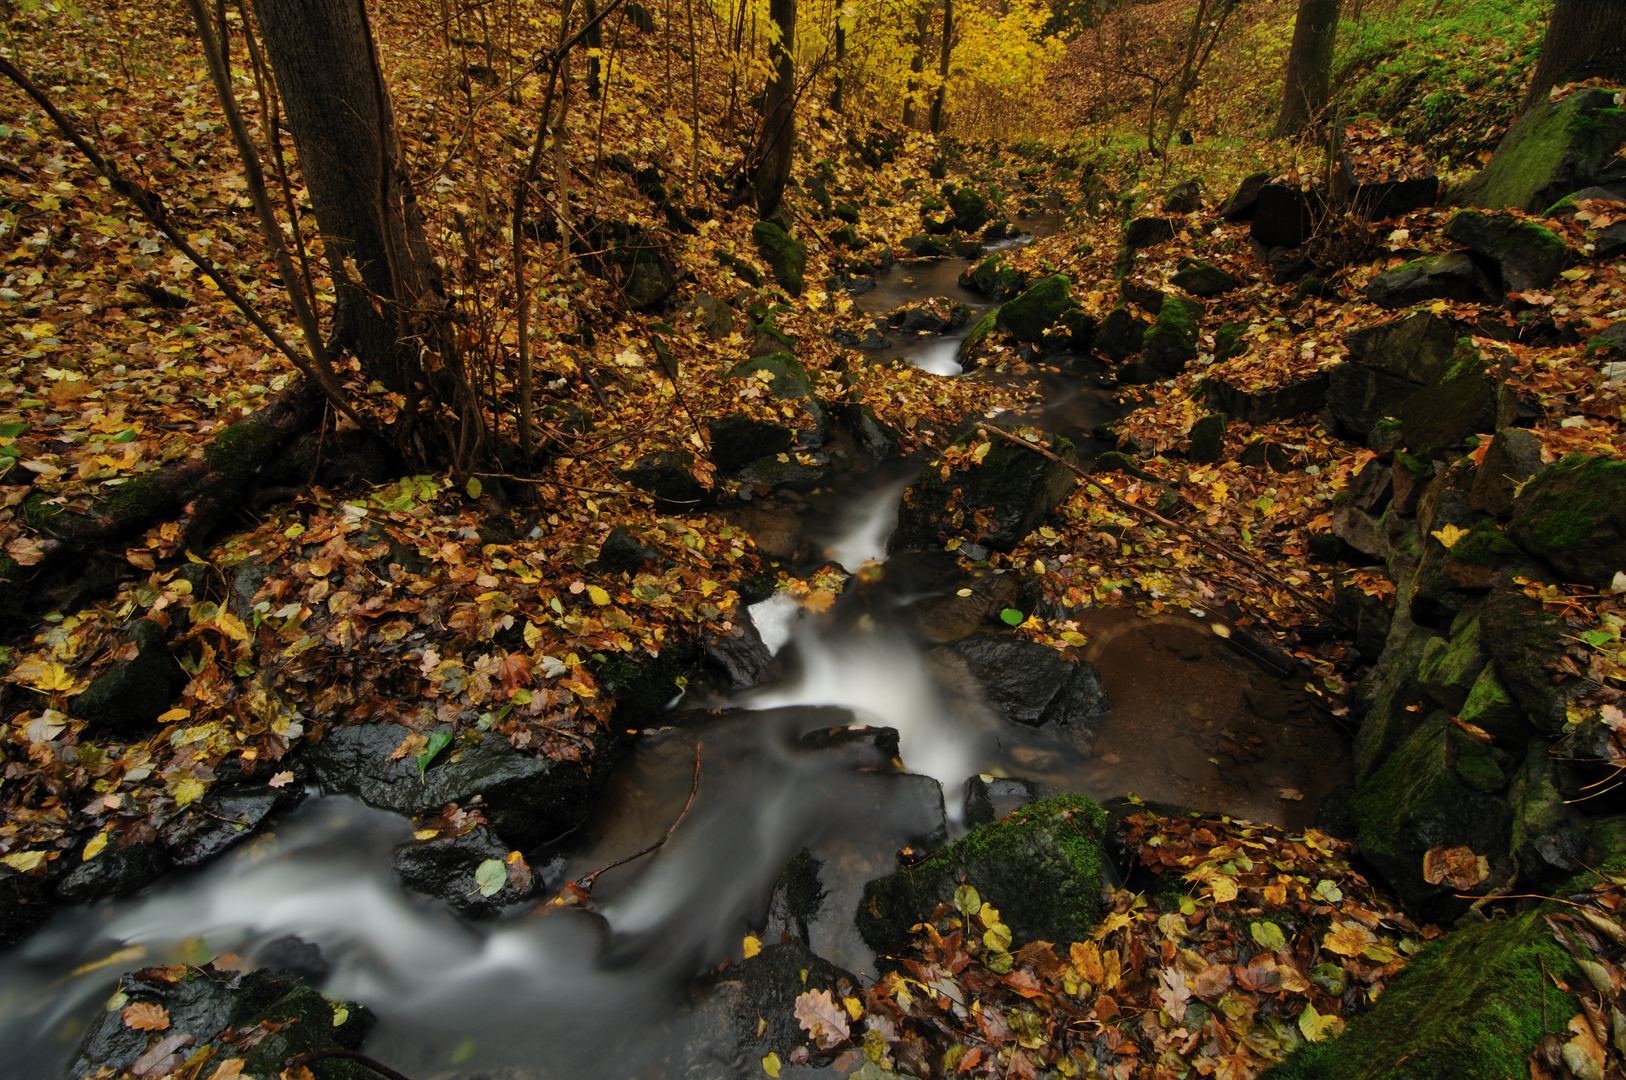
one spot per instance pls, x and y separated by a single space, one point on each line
916 66
836 103
773 154
936 119
1305 83
1585 38
595 40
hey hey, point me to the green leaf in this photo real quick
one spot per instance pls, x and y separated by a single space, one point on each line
13 429
1597 638
127 435
1267 935
439 741
1011 616
491 877
474 487
967 900
1327 891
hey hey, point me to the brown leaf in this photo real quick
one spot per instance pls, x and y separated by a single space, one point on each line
1212 981
1457 866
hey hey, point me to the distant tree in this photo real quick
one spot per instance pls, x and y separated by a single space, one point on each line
771 162
1585 38
1309 65
917 64
935 121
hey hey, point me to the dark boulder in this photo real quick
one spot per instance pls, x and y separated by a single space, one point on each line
737 440
1148 231
1608 344
1041 868
926 247
1016 487
1260 405
1445 413
873 436
1186 197
1417 348
131 694
227 815
739 656
117 870
951 616
1029 315
788 376
527 799
1360 397
1452 276
1524 642
1573 514
668 476
1378 200
990 798
711 313
994 278
1526 255
739 1016
1207 439
785 255
1171 343
1201 278
1553 149
1283 217
456 870
1513 457
1121 334
1025 682
623 553
1245 199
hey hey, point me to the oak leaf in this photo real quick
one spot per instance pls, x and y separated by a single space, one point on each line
821 1018
146 1016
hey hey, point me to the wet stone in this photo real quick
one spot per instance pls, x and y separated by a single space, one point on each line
445 868
226 816
117 870
990 798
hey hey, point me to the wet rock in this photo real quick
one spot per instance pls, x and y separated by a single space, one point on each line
1028 683
117 870
737 440
1490 706
925 247
1513 457
293 957
1147 231
989 798
1016 486
789 377
1553 149
1184 198
668 476
1171 343
1522 639
859 746
969 207
527 799
1029 315
1283 217
952 616
1041 869
716 316
623 553
1245 199
1000 230
847 236
1452 276
1360 397
748 1010
1548 838
772 473
1444 414
994 278
227 815
798 897
1573 514
1207 439
1201 278
1526 255
777 532
130 695
1366 618
785 255
1417 348
1416 801
740 655
1121 334
445 868
1448 669
873 436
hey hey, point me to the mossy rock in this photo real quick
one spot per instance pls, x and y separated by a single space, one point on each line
979 334
785 255
1471 1006
738 440
1553 149
668 475
1392 686
1447 669
1462 402
1015 487
1573 514
789 377
1549 840
994 278
1028 316
1452 276
1523 640
1040 867
1415 802
1527 255
1171 343
970 207
1201 278
1207 437
1121 334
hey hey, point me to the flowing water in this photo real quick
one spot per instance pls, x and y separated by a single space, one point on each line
574 993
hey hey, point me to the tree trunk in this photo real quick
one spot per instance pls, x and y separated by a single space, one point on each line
916 66
1585 38
836 103
390 311
1309 65
936 119
595 40
779 113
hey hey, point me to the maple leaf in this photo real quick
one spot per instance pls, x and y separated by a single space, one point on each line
821 1018
1347 938
146 1016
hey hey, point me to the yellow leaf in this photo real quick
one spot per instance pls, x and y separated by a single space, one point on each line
770 1065
188 791
174 716
93 847
230 1069
597 595
752 946
1224 889
819 600
25 862
425 834
533 634
231 625
53 677
1449 535
1073 637
854 1007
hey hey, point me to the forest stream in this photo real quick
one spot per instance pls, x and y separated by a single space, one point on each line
599 993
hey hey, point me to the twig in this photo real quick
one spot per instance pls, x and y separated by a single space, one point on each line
587 881
544 480
1224 551
350 1055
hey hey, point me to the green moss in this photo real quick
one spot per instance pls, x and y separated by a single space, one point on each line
1485 545
1471 1007
37 512
789 376
239 450
1414 465
978 334
784 254
1029 315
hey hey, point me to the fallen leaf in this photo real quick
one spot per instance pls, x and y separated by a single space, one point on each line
146 1016
821 1018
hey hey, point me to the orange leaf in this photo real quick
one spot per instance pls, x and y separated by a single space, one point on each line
146 1016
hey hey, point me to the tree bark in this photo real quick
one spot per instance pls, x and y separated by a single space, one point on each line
916 66
1585 38
773 154
1309 65
935 121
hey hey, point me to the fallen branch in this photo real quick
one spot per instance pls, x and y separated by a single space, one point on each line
583 886
1224 551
